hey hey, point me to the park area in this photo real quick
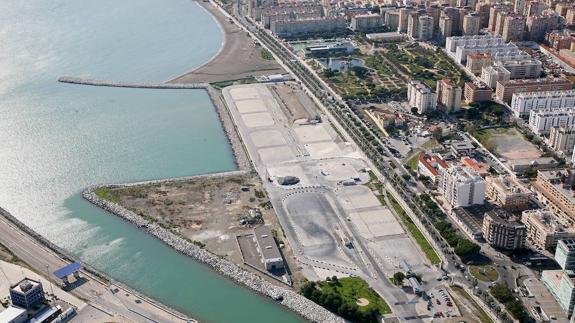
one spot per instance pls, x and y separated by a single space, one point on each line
485 273
361 76
424 64
349 297
507 142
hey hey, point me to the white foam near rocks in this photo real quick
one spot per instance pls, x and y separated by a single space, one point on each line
292 300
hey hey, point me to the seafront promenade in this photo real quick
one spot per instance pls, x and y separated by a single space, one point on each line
126 305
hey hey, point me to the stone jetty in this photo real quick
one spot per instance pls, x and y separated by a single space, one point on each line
292 300
92 82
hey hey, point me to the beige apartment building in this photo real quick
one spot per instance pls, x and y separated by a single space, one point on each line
507 192
544 230
555 189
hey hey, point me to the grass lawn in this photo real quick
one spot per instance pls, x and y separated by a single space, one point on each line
484 136
265 54
484 273
477 310
414 231
412 161
107 194
353 288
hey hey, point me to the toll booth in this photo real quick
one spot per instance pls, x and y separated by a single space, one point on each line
70 269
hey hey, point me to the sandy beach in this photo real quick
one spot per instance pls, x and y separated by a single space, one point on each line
239 58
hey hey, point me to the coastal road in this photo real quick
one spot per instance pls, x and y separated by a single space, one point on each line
120 306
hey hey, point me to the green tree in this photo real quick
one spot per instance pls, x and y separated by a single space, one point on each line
398 277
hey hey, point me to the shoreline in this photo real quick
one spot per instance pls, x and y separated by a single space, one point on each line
94 274
225 40
284 296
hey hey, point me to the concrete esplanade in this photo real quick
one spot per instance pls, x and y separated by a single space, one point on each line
93 82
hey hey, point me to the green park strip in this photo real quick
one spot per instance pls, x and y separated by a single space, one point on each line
413 230
349 297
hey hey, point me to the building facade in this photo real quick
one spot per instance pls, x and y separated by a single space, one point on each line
508 193
461 186
522 103
27 294
503 231
542 121
479 92
543 230
504 90
562 139
421 97
448 96
554 188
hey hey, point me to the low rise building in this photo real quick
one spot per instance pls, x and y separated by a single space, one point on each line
430 165
461 186
542 121
522 103
471 224
448 96
554 189
421 97
482 169
508 193
477 92
562 139
503 231
504 90
271 256
543 230
27 294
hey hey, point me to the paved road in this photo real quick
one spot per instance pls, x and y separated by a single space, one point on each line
121 306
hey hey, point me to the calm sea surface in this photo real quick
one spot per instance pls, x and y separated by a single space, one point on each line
56 139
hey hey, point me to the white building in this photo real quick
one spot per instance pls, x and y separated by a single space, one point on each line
490 75
459 47
562 139
523 102
461 186
542 121
421 97
366 22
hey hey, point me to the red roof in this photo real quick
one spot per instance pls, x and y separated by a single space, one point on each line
429 161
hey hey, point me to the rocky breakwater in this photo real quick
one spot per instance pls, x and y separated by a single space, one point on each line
292 300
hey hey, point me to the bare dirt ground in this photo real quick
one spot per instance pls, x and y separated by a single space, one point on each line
290 102
239 58
209 210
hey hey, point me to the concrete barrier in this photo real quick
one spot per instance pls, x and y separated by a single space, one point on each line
93 82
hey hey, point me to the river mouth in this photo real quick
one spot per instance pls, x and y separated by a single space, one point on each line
57 139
